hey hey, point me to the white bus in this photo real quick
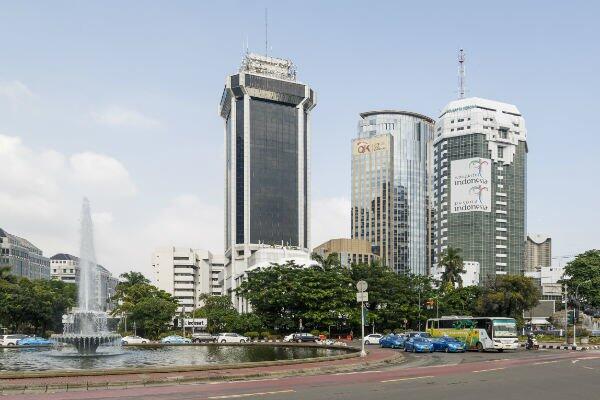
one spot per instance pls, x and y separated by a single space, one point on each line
479 333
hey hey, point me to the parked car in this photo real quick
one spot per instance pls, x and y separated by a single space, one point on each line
413 334
304 338
373 338
595 332
35 341
134 340
448 344
175 339
418 344
203 337
290 337
232 338
392 341
11 340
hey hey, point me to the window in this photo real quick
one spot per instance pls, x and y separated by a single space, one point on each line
500 152
503 134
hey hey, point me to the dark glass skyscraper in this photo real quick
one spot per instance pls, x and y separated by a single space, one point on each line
267 197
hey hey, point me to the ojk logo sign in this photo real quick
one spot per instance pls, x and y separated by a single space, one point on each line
370 145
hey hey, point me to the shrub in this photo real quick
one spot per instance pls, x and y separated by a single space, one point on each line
265 334
397 331
325 333
315 332
251 334
387 331
274 337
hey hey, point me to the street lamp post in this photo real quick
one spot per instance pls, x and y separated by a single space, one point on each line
575 306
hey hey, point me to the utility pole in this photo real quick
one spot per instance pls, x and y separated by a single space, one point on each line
361 297
576 304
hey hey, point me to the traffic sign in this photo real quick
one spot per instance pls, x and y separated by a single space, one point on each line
362 286
362 297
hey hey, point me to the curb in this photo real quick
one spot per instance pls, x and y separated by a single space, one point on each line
87 386
566 347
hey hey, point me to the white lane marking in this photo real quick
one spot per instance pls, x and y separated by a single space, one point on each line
357 372
588 367
407 379
237 396
583 359
242 381
488 370
546 362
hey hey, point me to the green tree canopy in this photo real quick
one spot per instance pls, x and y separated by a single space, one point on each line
220 314
453 267
508 296
584 272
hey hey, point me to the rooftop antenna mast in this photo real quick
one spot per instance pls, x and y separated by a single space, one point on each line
461 74
266 32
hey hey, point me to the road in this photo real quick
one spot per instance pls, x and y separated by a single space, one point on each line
548 375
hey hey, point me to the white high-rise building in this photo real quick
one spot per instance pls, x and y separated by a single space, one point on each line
479 185
267 162
187 274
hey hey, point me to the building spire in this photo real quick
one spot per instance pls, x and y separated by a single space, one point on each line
461 74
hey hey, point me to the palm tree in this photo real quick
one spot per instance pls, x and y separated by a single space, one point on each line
453 267
131 278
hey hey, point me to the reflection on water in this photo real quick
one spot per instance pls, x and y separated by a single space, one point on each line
41 359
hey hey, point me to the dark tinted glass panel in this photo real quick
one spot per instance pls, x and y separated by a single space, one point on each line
274 173
239 172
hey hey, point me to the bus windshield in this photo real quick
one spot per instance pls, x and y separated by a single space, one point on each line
505 328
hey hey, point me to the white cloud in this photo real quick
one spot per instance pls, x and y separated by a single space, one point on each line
15 92
122 117
101 172
330 219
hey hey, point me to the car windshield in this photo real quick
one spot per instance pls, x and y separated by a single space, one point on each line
504 328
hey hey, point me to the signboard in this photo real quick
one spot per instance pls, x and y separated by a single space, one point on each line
362 297
361 286
370 145
194 322
471 185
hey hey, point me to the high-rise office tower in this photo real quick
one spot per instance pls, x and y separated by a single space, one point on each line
267 133
479 185
390 182
538 252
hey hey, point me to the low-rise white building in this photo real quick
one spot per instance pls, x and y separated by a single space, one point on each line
548 280
471 276
65 267
262 255
187 274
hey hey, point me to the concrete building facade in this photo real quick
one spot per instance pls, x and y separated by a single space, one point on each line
349 251
188 274
479 185
65 267
23 258
267 162
390 181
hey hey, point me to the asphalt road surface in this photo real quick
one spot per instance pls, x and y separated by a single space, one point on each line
547 375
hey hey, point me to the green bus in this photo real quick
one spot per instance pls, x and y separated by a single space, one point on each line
479 333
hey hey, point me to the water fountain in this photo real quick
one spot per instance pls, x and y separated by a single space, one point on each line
86 327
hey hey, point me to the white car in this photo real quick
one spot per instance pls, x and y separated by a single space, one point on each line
232 338
372 338
134 340
11 340
289 337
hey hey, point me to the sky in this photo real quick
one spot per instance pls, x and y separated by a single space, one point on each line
117 101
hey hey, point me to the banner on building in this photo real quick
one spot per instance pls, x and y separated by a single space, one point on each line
370 145
471 185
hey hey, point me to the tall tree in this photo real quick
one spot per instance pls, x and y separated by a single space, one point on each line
508 296
453 267
584 275
132 278
219 311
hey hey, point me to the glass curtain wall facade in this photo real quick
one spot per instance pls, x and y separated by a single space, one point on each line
406 236
479 185
266 113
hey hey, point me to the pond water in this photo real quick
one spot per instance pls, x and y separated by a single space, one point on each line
41 359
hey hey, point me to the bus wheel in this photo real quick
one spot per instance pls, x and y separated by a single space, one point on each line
500 350
479 347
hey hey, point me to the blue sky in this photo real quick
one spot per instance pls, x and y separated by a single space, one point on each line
118 101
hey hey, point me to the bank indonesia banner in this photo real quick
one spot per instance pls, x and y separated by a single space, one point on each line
471 185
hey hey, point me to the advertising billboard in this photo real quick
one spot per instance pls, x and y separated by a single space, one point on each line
471 185
373 144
